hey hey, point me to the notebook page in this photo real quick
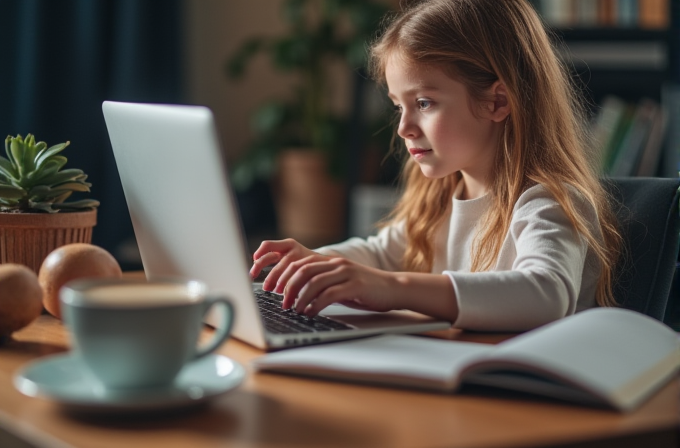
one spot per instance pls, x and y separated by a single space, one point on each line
614 352
435 362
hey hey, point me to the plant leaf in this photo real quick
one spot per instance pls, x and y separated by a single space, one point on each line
44 206
30 151
7 168
71 186
236 65
16 147
268 117
53 195
4 179
44 155
39 190
294 12
11 192
7 151
47 169
62 176
242 177
61 198
40 147
83 203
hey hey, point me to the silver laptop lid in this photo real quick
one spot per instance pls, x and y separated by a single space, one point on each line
165 154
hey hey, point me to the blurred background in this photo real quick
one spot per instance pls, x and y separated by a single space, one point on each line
305 133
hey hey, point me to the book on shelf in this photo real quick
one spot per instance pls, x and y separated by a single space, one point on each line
586 13
651 154
606 12
628 154
627 13
620 123
671 152
643 14
654 14
557 13
633 140
605 126
605 357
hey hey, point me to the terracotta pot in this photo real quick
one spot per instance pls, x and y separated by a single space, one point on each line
27 238
310 203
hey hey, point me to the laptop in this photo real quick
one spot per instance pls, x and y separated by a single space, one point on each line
186 222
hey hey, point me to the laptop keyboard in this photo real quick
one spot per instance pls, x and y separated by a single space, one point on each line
278 320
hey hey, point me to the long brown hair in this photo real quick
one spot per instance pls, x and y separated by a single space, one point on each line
478 42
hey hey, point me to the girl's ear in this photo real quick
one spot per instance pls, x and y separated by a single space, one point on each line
498 108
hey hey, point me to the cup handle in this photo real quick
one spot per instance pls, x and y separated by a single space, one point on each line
222 333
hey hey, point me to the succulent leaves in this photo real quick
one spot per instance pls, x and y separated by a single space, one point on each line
32 179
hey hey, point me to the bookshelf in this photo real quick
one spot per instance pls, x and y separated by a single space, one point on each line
625 54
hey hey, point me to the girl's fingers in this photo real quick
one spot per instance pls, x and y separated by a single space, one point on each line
270 283
291 269
281 246
277 277
337 293
311 282
264 261
287 250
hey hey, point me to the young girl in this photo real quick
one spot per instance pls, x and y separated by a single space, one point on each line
503 224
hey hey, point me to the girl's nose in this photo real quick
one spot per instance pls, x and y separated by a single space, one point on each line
407 128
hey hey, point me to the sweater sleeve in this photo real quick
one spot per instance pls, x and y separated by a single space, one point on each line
542 279
383 251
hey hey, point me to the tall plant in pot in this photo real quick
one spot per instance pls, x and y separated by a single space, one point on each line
35 217
299 141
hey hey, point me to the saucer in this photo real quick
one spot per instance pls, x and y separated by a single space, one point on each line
65 379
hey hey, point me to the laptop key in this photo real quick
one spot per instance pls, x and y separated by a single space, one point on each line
278 320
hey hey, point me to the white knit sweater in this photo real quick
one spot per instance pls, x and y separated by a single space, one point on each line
544 271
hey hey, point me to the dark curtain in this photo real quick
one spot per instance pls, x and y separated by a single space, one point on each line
61 58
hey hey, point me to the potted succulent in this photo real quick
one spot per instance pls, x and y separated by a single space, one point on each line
34 215
299 140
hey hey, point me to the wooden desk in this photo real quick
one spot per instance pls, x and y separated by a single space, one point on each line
278 411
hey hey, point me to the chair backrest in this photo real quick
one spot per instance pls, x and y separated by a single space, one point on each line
649 220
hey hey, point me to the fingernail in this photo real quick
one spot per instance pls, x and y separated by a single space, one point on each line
278 289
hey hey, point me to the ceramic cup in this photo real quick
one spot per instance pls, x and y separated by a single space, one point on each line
137 334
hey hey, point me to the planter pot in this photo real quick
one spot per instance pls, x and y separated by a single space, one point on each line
310 204
27 238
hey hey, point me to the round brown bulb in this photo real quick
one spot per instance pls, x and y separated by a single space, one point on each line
71 262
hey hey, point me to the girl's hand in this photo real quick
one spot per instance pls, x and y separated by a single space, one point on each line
311 281
314 282
282 252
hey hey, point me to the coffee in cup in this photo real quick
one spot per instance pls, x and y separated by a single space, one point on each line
134 334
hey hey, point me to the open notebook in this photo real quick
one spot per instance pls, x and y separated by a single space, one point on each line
604 356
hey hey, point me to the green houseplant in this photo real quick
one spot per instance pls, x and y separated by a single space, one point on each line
34 215
299 140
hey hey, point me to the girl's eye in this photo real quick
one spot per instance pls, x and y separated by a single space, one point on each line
424 104
397 109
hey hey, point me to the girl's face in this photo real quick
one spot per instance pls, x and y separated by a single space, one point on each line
438 125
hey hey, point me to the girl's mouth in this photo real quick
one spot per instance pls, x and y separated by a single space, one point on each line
419 153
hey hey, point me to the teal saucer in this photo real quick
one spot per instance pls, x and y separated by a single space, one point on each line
64 379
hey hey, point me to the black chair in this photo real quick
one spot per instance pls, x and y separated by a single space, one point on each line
647 210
